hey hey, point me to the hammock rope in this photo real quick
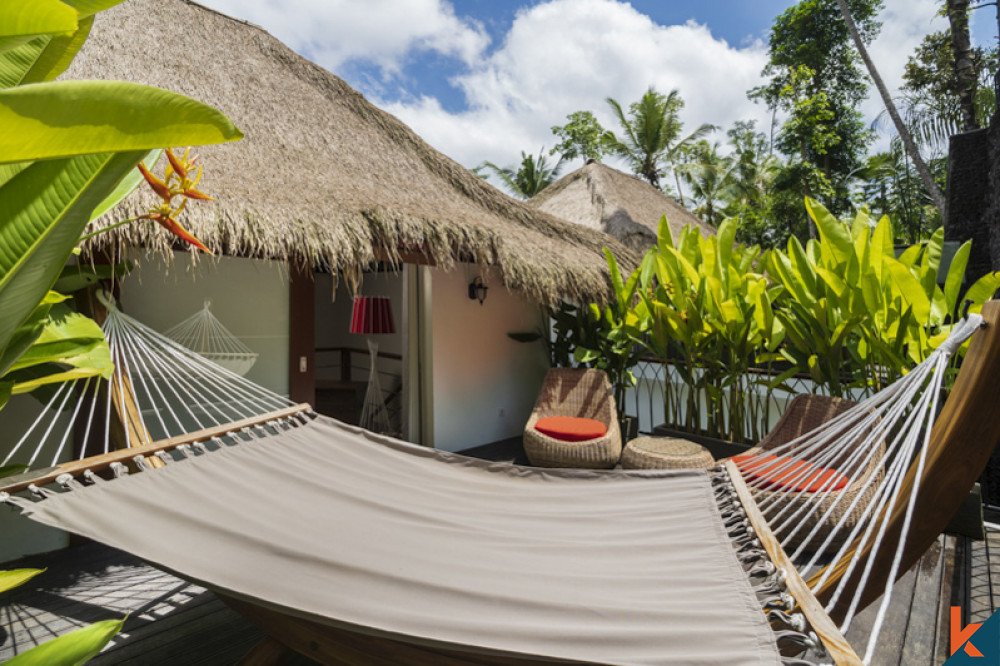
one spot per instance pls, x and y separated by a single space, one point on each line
801 487
166 390
204 334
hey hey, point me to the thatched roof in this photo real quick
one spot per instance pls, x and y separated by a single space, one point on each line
619 204
322 175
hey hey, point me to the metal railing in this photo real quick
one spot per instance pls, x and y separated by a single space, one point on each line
660 396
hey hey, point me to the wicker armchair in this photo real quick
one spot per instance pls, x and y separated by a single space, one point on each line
575 392
805 413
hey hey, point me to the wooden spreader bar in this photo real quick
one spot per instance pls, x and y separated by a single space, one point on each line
838 647
103 461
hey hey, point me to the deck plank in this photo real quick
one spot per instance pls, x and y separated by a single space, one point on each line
947 597
890 643
170 620
918 646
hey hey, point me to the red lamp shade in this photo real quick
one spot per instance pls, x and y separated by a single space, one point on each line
372 316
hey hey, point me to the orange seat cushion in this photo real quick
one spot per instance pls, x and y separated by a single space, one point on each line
571 428
789 474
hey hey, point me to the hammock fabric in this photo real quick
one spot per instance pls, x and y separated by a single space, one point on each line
331 523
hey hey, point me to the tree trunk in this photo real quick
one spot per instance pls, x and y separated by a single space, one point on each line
890 107
680 192
965 72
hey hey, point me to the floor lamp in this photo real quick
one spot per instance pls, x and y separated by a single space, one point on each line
373 316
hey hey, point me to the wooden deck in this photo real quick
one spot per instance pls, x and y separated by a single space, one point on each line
170 621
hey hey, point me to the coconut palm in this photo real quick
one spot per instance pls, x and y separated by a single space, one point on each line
651 141
533 176
711 178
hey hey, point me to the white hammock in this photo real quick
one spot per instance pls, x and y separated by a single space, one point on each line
177 392
872 446
204 334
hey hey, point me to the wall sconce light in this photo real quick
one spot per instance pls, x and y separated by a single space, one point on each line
477 290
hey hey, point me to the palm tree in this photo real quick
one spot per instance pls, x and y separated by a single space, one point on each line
904 134
711 177
755 167
533 176
652 140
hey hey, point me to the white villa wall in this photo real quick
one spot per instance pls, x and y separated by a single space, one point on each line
249 297
485 384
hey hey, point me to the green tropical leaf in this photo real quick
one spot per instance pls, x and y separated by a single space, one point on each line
803 268
68 339
46 57
43 210
982 290
687 269
26 334
72 649
127 186
67 118
726 238
6 390
16 577
910 255
835 235
663 236
910 289
43 58
616 276
956 275
930 262
91 7
23 21
647 268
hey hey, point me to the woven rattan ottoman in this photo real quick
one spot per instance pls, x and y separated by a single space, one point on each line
665 453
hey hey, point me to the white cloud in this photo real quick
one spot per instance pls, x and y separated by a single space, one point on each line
559 56
567 55
333 32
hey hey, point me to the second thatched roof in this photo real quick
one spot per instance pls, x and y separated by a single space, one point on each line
322 175
619 204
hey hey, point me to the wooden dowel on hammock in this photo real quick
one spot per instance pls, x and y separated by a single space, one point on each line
838 647
103 461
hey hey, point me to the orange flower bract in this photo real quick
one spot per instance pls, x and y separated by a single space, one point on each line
176 182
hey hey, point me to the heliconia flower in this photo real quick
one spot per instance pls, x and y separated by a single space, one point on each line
176 229
176 181
158 185
195 194
177 164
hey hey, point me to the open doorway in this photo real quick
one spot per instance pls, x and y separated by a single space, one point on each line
343 358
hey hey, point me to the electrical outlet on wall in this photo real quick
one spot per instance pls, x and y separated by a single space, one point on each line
302 364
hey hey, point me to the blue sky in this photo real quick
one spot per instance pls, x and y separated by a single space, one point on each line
429 72
486 79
